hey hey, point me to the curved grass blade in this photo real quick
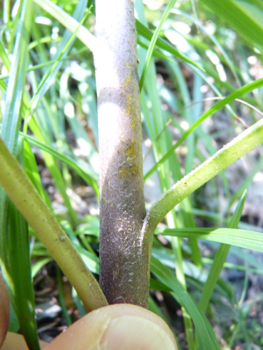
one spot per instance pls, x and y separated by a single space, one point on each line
236 237
244 90
88 178
49 63
185 210
44 85
61 296
68 22
65 45
213 39
220 258
242 144
16 268
163 44
15 24
4 57
246 182
153 41
12 117
203 328
30 167
54 169
14 247
37 266
246 17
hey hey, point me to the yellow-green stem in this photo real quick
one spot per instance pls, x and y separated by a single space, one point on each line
235 149
24 195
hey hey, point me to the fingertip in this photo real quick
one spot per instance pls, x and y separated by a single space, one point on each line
131 332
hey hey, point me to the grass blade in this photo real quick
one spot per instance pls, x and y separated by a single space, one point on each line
153 41
163 44
246 17
68 22
203 328
13 227
65 46
220 258
236 237
16 268
244 90
81 169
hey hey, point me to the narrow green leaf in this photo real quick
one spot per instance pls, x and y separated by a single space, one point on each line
14 245
17 271
242 91
61 296
220 258
12 117
37 265
54 169
246 182
64 48
68 22
235 149
153 41
213 39
4 56
163 44
30 166
236 237
50 62
203 328
87 175
245 17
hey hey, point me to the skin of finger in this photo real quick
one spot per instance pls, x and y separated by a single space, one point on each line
133 332
116 327
4 310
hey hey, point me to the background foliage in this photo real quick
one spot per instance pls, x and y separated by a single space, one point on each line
190 54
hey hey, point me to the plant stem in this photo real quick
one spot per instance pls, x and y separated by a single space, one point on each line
227 155
26 198
124 260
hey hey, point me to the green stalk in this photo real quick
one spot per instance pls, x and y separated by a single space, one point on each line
235 149
26 198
